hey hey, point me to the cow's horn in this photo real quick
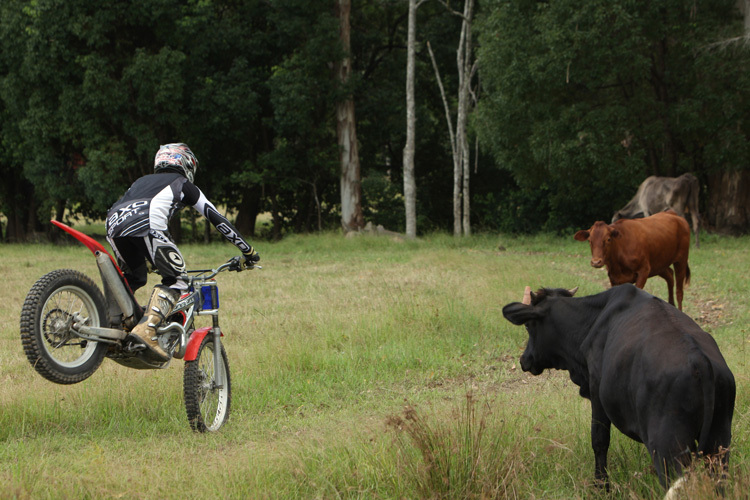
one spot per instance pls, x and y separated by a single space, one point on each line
573 291
527 296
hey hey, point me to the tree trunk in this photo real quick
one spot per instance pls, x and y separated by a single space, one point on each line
20 209
410 185
248 212
351 189
465 74
275 218
728 207
175 228
462 169
744 7
455 149
53 233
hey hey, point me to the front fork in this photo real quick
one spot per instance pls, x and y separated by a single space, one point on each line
218 361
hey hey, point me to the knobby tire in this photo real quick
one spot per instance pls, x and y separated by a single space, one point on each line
45 326
207 407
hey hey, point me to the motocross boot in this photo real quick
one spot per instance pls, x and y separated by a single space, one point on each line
159 306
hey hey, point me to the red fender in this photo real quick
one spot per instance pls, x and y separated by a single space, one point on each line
88 241
191 352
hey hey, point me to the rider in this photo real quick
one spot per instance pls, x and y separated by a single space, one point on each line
137 229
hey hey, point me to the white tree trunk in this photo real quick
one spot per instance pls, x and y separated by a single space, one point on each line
454 145
459 141
462 154
410 185
465 74
351 188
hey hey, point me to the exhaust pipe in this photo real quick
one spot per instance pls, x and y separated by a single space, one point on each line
114 287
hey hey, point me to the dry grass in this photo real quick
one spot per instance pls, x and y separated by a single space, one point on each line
327 344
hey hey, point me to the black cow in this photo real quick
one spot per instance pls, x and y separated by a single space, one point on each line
646 367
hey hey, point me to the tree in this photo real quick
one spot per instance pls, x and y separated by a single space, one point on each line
301 172
464 61
351 191
459 140
102 86
16 191
410 186
581 101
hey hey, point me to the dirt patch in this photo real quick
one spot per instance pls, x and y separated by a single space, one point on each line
712 313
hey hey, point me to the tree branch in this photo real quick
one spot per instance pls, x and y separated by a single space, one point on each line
445 100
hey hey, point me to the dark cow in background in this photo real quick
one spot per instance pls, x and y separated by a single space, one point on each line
635 250
646 367
657 194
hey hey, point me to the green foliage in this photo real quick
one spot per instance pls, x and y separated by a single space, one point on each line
579 101
383 203
514 211
583 100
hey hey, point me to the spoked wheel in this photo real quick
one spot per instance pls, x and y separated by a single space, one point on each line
55 301
207 405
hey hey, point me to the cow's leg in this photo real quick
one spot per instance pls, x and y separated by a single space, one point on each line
668 276
696 221
641 274
600 433
680 276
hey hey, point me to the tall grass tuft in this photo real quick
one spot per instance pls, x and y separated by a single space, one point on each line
468 457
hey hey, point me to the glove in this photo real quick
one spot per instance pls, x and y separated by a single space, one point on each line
250 258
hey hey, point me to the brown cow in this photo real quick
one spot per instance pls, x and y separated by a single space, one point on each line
657 194
635 250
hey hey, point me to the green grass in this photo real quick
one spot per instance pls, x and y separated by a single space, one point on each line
362 368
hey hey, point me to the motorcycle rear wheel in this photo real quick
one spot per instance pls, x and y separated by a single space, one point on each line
54 351
207 406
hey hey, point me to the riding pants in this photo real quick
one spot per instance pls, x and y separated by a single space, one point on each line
135 254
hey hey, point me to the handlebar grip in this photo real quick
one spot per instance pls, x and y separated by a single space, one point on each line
235 263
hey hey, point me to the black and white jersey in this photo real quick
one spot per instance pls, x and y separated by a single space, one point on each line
152 200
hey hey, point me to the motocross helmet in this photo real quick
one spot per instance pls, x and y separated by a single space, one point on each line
177 157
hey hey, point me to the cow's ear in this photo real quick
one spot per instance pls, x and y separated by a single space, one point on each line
615 233
581 235
519 314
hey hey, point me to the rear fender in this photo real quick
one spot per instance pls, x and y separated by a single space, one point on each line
88 241
97 248
194 343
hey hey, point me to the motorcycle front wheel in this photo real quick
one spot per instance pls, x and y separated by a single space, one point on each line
48 312
207 405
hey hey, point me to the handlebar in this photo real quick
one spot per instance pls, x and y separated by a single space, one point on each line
233 264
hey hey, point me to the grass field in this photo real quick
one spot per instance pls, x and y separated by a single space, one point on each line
362 368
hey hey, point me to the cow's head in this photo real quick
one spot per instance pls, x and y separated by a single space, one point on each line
542 347
600 237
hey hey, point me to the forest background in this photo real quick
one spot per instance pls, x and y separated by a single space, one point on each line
570 106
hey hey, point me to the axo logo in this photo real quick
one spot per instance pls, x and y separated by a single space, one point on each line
125 212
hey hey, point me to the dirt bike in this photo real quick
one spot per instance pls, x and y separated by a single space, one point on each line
68 327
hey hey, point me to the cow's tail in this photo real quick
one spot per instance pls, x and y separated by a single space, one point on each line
687 274
708 386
